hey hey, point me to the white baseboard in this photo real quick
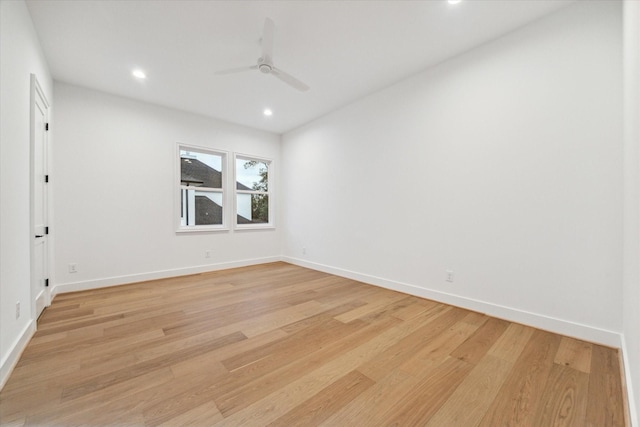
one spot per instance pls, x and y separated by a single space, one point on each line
162 274
628 386
560 326
12 357
563 327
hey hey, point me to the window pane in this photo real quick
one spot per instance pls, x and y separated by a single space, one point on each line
253 208
199 169
252 175
201 208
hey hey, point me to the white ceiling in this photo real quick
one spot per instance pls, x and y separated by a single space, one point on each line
344 50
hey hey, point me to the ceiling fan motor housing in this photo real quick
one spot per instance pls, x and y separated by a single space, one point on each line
265 68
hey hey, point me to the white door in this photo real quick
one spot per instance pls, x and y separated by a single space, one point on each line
39 179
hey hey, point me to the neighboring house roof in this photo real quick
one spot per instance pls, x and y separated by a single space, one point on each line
194 172
209 212
190 180
240 186
243 220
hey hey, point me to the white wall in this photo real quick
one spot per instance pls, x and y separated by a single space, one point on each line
631 284
20 56
114 183
503 164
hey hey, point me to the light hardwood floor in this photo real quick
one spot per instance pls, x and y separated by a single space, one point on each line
281 345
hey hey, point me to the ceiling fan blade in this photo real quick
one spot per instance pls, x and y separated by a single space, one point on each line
290 80
235 70
267 40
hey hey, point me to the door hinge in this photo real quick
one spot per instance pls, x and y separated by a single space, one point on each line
46 178
46 282
46 230
46 126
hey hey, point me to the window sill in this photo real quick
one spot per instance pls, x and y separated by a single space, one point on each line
249 227
201 229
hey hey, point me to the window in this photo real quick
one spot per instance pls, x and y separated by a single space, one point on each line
253 204
201 189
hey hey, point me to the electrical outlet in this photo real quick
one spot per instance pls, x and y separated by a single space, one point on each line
450 276
18 310
73 268
304 250
207 254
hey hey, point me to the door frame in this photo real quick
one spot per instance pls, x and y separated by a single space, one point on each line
38 298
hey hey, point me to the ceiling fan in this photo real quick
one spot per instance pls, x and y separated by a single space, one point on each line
265 62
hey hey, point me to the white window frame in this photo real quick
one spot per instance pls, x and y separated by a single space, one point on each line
269 193
224 155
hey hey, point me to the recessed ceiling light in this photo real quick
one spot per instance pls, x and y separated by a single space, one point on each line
139 74
454 1
268 112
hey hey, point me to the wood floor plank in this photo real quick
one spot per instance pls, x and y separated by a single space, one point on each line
510 345
190 393
475 318
134 327
323 316
438 349
604 404
564 400
252 391
194 364
290 348
128 372
88 407
223 315
318 408
278 403
520 396
15 422
21 405
317 326
280 318
405 348
296 392
92 350
374 304
368 408
474 348
575 354
66 315
242 387
426 397
284 345
203 415
78 325
412 310
345 289
474 394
